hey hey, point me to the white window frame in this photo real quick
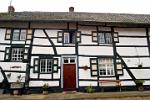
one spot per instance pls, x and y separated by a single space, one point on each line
67 37
107 65
106 39
46 66
17 54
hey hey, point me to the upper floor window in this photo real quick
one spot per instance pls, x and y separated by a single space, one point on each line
106 67
102 37
17 54
69 37
19 34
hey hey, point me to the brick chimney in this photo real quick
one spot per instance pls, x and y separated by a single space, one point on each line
11 9
71 9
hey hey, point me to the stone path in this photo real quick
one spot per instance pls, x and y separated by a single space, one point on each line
134 95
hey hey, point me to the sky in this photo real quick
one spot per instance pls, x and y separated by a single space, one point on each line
98 6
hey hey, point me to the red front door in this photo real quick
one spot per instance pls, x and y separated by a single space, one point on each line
69 73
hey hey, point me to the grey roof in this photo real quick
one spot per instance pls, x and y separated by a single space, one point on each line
76 16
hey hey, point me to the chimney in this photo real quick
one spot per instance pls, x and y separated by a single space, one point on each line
71 9
11 9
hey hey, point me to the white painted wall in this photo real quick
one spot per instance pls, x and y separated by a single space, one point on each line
41 83
131 31
95 50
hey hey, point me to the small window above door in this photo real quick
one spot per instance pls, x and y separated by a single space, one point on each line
69 60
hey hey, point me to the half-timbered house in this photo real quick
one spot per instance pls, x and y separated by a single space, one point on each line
73 50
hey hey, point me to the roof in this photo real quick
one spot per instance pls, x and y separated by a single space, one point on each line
77 17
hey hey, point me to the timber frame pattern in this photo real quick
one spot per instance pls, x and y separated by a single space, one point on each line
29 44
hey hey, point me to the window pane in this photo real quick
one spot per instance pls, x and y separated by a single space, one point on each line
16 35
17 54
108 38
66 37
23 35
101 38
106 67
46 65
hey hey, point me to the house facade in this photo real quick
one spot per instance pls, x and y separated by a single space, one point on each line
73 50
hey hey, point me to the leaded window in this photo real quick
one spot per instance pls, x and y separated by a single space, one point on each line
17 54
106 67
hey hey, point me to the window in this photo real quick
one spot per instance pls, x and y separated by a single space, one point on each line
19 34
68 60
104 38
17 54
106 67
46 65
69 37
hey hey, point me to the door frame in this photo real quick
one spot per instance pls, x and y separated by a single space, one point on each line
62 74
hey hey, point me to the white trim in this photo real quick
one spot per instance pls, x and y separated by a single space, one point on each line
62 78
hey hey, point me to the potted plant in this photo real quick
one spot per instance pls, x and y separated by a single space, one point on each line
45 88
17 86
139 84
90 89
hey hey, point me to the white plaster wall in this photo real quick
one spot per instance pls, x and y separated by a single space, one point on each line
42 50
132 41
127 83
14 75
52 33
95 50
85 74
33 75
18 42
84 61
87 83
147 82
2 54
41 83
141 73
55 42
86 40
131 31
8 65
39 41
133 62
65 50
56 75
132 51
125 75
2 36
46 76
39 33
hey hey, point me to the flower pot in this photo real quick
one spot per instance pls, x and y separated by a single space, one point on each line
15 92
45 92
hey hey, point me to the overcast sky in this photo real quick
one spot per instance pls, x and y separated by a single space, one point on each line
107 6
